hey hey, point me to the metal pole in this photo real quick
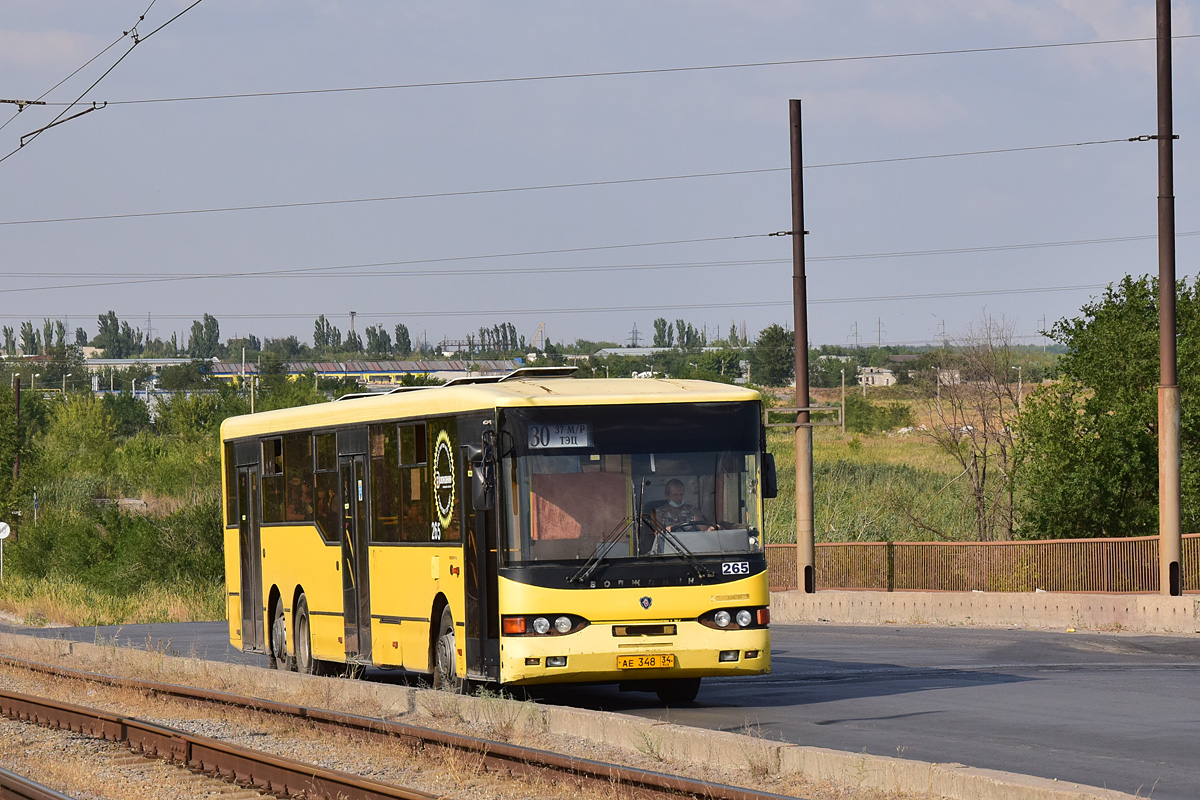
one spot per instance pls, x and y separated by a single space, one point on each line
1170 540
805 548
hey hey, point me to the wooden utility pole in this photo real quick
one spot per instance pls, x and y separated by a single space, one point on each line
805 549
1170 539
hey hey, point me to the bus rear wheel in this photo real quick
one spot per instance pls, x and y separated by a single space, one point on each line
305 663
678 691
445 661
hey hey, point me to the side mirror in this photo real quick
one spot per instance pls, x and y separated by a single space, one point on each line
770 482
483 478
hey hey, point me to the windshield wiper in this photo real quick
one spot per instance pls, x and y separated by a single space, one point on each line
606 544
673 540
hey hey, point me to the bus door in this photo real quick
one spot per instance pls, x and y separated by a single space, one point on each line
356 530
250 555
479 568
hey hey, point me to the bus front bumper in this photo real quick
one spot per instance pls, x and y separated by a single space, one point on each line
595 654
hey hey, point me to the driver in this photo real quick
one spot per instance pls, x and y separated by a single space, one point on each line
675 512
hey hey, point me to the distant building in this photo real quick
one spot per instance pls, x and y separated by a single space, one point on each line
876 376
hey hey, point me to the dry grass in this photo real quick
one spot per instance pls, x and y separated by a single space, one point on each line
42 601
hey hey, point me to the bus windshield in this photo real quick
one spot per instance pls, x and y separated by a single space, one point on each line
630 481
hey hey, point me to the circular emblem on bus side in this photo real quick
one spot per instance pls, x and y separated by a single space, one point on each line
443 479
645 601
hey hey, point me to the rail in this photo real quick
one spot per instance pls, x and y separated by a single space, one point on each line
16 787
274 774
1128 565
497 756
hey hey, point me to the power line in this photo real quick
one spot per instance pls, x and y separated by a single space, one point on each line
572 185
312 270
649 71
628 308
137 39
343 271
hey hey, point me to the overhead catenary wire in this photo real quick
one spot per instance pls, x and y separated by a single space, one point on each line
645 71
137 39
342 271
543 187
657 307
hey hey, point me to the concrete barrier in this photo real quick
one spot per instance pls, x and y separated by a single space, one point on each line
678 748
1137 613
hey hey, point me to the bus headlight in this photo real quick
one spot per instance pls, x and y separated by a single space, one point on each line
541 625
563 625
736 619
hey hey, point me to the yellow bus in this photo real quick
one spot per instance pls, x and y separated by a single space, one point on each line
517 530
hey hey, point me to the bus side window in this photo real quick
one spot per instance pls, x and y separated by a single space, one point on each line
297 465
385 480
272 480
325 479
414 502
231 497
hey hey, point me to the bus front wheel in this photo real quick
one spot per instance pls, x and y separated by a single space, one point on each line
277 655
445 662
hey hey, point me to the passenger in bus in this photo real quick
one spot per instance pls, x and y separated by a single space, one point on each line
675 512
299 506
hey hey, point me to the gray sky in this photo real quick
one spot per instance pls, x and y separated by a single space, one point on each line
444 265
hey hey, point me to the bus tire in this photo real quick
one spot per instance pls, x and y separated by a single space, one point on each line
305 663
678 691
277 655
445 661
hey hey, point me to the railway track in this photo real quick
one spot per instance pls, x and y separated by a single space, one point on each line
17 787
281 776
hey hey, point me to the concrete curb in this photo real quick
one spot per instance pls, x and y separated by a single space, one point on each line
677 746
1134 613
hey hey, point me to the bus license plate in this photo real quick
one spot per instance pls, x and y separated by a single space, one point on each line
646 661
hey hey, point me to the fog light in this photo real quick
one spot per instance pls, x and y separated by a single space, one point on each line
541 625
561 661
722 619
728 655
532 662
744 619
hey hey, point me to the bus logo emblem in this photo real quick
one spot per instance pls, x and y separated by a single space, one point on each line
443 479
645 601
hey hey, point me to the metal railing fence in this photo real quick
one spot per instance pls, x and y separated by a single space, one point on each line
1054 565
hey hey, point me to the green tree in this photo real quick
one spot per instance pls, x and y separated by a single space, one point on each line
195 375
116 338
31 340
205 339
129 414
1090 442
664 334
379 341
403 341
774 356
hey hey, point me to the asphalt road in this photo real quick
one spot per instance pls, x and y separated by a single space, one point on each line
1111 710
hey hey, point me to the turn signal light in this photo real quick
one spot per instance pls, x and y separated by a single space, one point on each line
513 625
